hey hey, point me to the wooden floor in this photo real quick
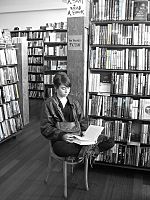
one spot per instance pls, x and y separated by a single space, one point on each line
23 162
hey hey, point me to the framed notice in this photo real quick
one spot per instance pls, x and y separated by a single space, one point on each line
76 8
75 42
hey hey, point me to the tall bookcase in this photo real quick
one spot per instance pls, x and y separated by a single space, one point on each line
10 115
46 55
55 57
119 81
35 60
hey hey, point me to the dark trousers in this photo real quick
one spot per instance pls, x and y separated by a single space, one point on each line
64 149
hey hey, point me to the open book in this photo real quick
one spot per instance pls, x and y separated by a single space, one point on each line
90 136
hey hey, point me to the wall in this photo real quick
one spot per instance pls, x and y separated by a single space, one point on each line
26 13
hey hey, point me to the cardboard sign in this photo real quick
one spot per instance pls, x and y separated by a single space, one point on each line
76 8
75 42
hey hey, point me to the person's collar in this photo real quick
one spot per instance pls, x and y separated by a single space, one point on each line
69 97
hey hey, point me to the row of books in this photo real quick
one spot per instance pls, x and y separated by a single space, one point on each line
119 10
35 43
56 25
8 110
35 60
36 94
35 68
126 132
35 77
8 75
35 35
132 59
36 86
55 37
10 126
134 84
8 56
120 34
119 107
60 50
9 93
35 51
48 78
49 92
55 65
126 155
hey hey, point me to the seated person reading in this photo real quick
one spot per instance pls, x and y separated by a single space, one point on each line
64 107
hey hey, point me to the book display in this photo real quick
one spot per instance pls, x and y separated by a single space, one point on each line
119 70
46 47
10 115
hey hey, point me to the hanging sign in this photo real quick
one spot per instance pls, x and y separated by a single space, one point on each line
75 8
75 42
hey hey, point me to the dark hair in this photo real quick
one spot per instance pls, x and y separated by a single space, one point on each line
61 78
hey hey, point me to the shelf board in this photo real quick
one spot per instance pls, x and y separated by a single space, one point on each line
39 47
126 22
54 71
11 136
36 81
119 70
36 90
39 30
35 55
35 72
55 57
123 166
119 119
32 39
119 46
35 64
55 43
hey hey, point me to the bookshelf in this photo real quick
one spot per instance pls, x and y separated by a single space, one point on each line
118 86
55 57
10 116
52 36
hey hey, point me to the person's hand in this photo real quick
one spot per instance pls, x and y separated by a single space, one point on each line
68 138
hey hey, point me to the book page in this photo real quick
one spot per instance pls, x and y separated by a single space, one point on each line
90 136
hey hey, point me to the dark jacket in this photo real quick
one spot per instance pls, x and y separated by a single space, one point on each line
52 113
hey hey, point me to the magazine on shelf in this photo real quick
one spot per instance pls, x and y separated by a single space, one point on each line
90 136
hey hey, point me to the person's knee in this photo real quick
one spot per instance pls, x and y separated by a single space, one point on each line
106 144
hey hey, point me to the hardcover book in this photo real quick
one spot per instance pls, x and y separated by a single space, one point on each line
140 10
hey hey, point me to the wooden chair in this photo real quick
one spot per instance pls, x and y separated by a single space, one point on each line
71 161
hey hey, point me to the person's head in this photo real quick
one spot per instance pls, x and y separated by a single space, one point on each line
62 84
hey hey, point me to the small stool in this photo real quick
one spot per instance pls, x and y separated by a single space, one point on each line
67 161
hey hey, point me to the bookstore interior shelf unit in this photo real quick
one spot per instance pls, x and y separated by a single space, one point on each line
10 116
119 81
55 58
41 43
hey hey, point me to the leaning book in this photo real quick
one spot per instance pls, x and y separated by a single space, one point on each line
90 136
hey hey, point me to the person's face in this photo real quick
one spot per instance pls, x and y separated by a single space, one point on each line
63 91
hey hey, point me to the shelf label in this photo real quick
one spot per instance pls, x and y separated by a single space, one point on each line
75 42
76 8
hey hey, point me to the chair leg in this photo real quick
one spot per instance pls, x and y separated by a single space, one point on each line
65 178
86 173
72 167
48 169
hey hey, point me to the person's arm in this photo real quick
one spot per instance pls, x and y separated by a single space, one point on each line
48 124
